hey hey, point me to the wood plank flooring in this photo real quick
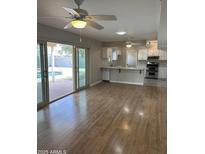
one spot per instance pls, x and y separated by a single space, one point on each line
106 119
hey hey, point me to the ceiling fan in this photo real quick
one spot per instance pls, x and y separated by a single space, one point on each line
129 44
81 19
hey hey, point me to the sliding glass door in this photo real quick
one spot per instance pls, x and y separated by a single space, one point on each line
42 94
81 68
60 70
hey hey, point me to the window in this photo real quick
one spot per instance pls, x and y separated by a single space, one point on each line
114 54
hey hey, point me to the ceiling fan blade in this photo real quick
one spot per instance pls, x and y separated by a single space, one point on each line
101 17
72 12
136 43
54 17
94 25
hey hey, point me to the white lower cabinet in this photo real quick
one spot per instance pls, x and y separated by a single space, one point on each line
105 74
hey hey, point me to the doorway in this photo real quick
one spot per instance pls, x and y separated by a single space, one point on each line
60 70
131 57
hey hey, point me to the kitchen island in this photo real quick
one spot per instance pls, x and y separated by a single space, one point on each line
128 75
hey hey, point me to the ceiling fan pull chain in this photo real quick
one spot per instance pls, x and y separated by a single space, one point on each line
80 36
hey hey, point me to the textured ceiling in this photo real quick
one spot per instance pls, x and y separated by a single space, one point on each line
139 18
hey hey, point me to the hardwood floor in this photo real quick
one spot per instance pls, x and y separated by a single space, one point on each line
106 119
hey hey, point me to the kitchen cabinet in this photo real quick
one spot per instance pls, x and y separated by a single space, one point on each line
128 75
105 74
111 53
107 53
142 54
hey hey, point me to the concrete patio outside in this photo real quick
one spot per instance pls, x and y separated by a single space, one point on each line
59 85
57 89
60 88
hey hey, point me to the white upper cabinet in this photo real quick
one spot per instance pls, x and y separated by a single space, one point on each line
111 53
104 52
142 54
107 53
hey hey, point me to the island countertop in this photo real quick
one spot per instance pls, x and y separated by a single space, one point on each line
125 68
128 75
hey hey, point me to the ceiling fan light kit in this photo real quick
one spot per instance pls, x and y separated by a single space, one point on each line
78 23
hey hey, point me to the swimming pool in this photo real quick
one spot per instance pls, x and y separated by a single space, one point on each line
49 74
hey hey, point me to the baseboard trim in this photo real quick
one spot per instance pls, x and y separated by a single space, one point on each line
95 83
133 83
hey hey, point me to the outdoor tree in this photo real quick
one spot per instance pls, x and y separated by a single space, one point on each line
65 50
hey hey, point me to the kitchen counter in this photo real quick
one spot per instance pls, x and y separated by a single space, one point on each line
128 75
119 67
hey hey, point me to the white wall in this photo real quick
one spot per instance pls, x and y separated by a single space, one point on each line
162 74
162 32
47 33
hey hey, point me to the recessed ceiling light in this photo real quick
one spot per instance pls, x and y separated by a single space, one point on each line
121 33
141 113
126 109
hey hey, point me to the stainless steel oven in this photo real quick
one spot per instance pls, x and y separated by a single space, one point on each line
152 67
